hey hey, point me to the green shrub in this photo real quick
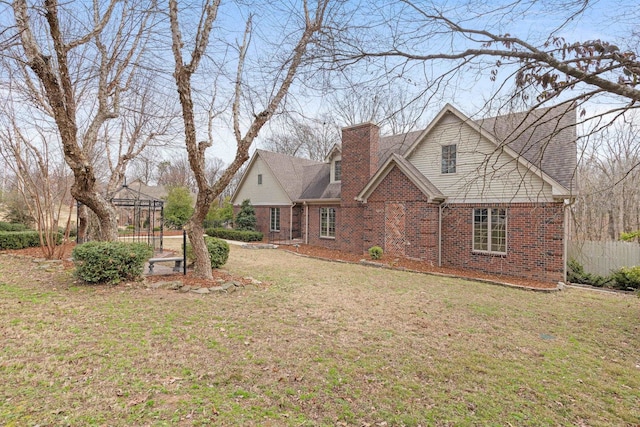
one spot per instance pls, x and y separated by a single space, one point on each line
246 218
628 237
238 235
218 251
627 278
7 226
178 207
22 239
110 262
375 252
576 274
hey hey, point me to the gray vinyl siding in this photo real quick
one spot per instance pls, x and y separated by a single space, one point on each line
268 193
483 172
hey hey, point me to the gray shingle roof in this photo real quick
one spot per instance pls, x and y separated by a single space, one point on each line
546 137
289 171
317 185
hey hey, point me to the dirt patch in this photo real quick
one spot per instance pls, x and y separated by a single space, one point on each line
413 265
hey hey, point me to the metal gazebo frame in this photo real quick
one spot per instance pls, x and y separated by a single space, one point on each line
141 211
138 205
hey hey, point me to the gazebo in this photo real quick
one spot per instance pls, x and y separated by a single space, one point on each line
140 215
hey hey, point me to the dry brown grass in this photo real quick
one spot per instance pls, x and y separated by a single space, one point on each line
323 344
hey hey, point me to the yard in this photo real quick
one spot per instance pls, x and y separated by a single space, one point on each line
318 343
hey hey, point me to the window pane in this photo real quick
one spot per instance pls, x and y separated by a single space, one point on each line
275 219
480 229
448 159
337 170
332 222
327 222
498 230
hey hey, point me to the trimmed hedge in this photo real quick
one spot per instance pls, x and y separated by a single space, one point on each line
238 235
110 262
7 226
22 239
218 251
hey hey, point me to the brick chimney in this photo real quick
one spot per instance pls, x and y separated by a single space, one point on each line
359 159
359 163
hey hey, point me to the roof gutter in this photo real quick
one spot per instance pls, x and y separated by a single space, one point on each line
319 201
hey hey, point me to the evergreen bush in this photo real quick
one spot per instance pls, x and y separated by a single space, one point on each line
238 235
110 262
627 278
246 218
218 251
8 226
375 252
22 239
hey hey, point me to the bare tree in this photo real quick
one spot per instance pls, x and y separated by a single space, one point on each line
184 70
393 108
609 172
42 181
299 137
81 76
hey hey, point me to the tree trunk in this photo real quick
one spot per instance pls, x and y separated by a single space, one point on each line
195 231
104 210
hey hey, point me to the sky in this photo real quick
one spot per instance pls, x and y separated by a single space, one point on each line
373 22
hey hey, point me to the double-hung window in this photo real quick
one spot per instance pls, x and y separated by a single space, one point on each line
449 159
328 222
274 219
490 230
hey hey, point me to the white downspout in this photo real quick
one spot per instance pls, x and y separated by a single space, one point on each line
306 223
567 225
291 222
440 207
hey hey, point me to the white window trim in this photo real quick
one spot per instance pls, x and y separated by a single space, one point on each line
333 169
442 159
327 236
488 251
271 212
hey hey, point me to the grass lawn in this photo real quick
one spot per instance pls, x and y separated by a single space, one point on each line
323 344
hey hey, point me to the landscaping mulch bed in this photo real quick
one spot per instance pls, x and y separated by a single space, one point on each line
413 265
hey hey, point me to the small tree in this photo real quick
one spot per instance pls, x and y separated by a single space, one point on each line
246 218
219 215
178 208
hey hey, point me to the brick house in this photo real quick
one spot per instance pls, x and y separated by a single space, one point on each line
487 195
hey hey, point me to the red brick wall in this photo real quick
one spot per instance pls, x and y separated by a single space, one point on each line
314 227
535 233
263 221
420 218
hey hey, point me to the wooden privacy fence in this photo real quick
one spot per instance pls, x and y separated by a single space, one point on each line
603 257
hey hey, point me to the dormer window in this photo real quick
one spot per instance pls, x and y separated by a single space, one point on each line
337 170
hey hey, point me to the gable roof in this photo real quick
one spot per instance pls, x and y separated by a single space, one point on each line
542 135
543 140
409 170
137 190
289 171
